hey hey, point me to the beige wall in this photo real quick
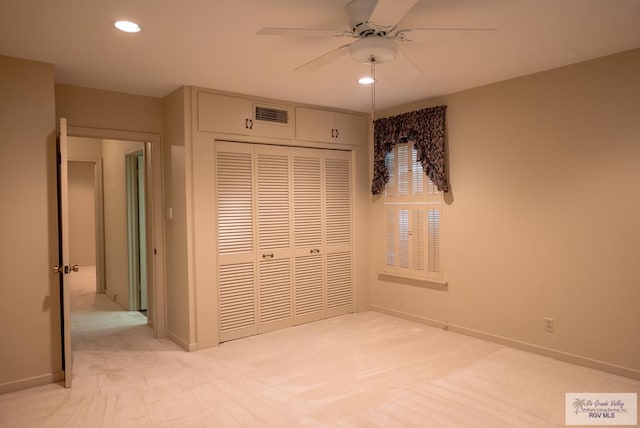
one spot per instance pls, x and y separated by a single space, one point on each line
542 220
94 108
179 310
82 213
84 149
29 291
116 251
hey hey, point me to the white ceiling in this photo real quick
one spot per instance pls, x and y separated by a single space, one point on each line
213 43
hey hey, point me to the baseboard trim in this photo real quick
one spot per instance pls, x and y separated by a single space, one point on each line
31 382
513 343
189 347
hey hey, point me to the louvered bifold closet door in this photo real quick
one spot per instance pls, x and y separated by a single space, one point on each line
236 249
338 232
309 290
275 269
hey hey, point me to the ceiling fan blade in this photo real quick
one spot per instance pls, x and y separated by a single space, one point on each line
403 34
324 59
388 13
406 55
309 32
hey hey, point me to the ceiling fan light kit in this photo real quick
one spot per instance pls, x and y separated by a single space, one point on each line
378 49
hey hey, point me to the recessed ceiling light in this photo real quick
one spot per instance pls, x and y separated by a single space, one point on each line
127 26
366 80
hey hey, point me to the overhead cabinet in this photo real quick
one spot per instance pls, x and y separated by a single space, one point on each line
330 127
226 114
241 116
284 236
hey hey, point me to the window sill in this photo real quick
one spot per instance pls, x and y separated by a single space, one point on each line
433 284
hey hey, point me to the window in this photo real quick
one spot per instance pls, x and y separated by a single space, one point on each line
413 214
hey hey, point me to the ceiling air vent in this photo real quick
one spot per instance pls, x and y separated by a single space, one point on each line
270 114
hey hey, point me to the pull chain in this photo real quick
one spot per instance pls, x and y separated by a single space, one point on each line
373 87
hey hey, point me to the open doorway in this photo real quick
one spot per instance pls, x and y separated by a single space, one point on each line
108 233
103 319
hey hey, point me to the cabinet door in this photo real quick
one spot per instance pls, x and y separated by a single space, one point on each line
338 232
273 182
236 247
224 114
309 293
331 127
351 129
315 125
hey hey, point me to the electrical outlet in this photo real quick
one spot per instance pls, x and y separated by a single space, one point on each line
548 325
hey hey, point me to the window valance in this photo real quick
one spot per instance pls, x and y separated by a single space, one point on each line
426 129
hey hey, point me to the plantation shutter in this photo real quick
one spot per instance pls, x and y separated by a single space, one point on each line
390 163
391 239
418 241
412 217
434 219
404 167
434 240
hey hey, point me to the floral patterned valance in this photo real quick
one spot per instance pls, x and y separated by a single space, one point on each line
426 129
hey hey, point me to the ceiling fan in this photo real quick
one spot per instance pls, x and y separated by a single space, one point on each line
374 26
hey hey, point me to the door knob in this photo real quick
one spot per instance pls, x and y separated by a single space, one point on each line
75 268
57 269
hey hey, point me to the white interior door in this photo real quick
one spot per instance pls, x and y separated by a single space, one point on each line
338 232
309 290
142 233
236 240
64 267
273 217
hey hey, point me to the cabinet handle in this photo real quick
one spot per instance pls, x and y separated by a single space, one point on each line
267 256
314 251
337 133
250 123
333 133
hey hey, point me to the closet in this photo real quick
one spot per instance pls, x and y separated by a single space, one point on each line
284 236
